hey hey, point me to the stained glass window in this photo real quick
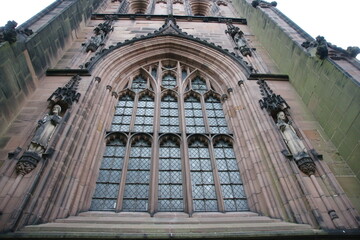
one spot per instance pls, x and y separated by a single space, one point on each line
156 121
202 180
169 115
144 114
136 193
231 185
193 116
215 114
107 184
123 112
170 193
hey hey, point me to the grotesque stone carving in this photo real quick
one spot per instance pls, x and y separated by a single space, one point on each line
101 31
263 4
238 37
317 47
39 143
8 32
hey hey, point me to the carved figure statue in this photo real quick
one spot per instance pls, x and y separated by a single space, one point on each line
292 140
296 146
44 131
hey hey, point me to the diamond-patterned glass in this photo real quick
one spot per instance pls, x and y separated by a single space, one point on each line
170 194
169 115
216 119
203 186
144 115
108 182
136 192
229 176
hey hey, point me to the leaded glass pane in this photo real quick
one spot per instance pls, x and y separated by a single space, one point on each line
202 180
229 176
170 195
138 84
169 81
216 119
107 184
144 114
136 192
193 116
199 85
169 115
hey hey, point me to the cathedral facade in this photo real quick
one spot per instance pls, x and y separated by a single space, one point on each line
176 119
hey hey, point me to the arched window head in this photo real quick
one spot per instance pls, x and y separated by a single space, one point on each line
194 115
198 84
215 115
123 111
138 6
169 114
136 193
138 84
170 192
168 81
200 7
144 114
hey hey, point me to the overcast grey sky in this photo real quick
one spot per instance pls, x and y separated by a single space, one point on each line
336 20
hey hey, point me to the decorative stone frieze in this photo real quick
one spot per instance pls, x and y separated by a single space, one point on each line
238 37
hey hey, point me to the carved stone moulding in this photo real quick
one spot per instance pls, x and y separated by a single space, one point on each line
306 165
27 163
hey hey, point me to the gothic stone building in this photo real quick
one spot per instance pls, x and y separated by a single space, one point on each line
176 119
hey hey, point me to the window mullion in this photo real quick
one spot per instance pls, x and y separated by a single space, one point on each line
216 179
123 176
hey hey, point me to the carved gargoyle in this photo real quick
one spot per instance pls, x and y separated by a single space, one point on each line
317 47
263 4
8 32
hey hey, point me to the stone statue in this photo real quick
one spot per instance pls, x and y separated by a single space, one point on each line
292 140
44 131
295 145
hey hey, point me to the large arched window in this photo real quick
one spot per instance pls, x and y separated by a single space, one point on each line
178 155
